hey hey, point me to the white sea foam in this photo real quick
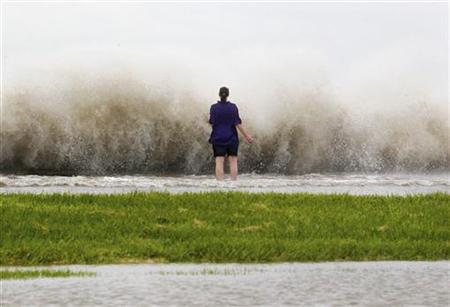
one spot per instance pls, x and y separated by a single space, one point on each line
314 183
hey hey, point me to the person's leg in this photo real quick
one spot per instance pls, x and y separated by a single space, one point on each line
233 160
219 156
219 167
232 152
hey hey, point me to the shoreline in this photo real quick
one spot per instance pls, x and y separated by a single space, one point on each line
354 184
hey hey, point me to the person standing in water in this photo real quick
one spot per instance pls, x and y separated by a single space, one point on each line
224 119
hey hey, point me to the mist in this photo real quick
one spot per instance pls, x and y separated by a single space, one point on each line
127 88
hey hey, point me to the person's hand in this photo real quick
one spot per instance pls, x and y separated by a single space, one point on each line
249 138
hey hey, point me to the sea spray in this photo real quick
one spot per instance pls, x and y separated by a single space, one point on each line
127 118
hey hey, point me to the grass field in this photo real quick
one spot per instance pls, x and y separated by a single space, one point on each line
221 227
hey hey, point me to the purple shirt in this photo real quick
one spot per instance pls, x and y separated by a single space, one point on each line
224 116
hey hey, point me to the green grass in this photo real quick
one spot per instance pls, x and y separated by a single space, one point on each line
22 274
221 227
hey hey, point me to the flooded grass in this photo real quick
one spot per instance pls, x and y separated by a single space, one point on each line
214 271
221 227
27 274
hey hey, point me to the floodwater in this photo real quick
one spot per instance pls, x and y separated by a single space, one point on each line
299 284
357 184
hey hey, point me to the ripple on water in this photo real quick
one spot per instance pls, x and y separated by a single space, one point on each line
336 283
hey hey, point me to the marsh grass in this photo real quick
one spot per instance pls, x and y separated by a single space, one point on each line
27 274
221 227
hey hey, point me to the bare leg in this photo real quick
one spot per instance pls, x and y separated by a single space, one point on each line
219 167
233 167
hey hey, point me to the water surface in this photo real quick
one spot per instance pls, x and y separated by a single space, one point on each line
357 184
299 284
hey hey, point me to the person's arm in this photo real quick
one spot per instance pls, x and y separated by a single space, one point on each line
238 125
211 116
244 132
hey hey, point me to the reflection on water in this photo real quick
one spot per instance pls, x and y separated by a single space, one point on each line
314 183
334 283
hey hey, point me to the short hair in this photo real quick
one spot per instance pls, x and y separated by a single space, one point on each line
224 89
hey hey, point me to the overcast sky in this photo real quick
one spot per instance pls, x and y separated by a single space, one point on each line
341 36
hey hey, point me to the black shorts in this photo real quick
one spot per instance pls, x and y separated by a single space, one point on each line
223 150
